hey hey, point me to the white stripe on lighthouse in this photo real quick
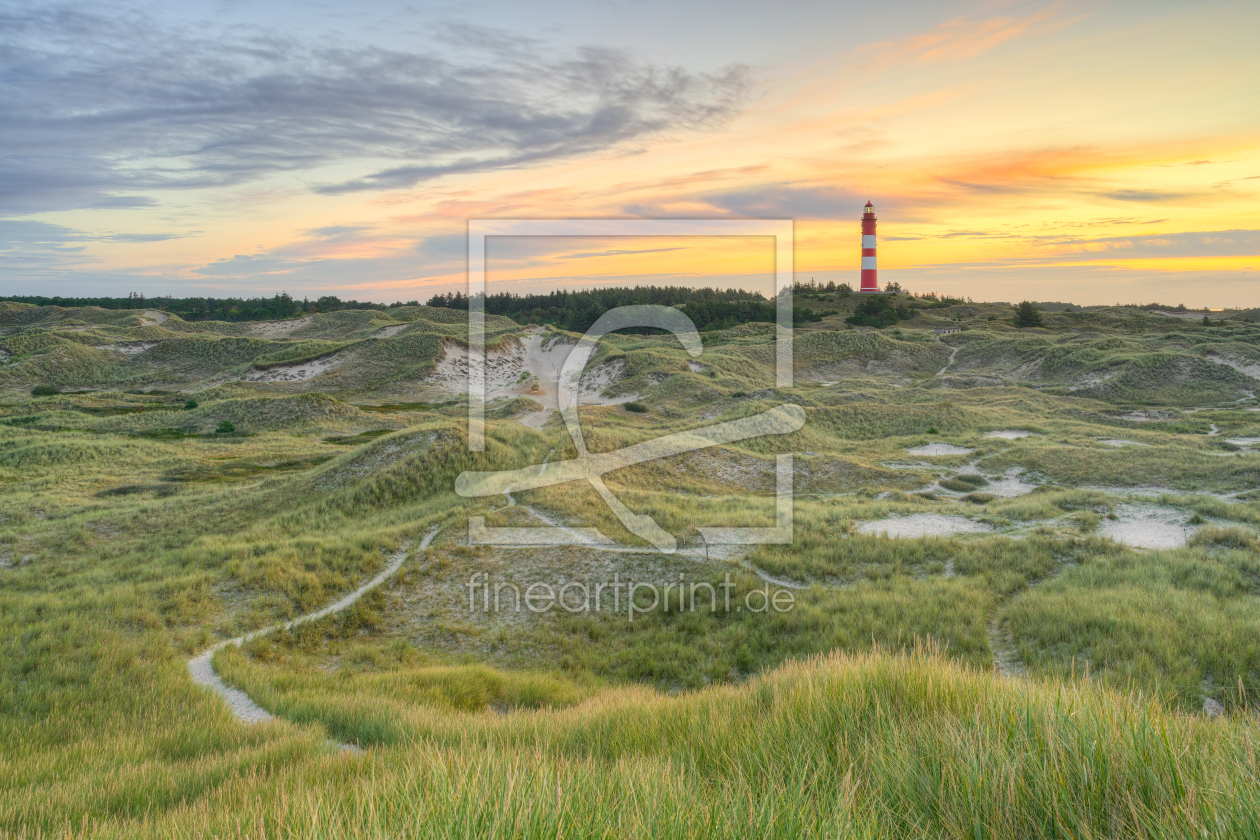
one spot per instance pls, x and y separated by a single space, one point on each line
867 262
868 241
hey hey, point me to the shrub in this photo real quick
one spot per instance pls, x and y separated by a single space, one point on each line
225 428
189 405
878 311
44 391
933 431
636 407
963 483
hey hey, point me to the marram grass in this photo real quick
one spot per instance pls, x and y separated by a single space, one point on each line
863 745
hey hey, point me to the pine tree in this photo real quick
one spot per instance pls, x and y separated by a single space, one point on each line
1027 315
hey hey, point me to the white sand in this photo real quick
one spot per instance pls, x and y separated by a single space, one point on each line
1243 366
528 368
277 329
128 349
1010 485
938 449
295 372
924 525
1148 526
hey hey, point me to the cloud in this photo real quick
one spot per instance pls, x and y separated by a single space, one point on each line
1146 196
99 109
27 234
336 231
969 234
783 202
1213 243
585 254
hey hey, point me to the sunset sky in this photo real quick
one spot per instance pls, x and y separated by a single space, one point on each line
1076 151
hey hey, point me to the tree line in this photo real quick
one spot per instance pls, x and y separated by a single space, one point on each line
708 309
282 305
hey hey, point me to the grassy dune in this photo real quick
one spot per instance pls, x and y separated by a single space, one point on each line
133 534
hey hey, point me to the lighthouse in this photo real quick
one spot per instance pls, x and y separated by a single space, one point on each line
869 281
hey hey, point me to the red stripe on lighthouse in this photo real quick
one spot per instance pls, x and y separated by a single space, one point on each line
870 280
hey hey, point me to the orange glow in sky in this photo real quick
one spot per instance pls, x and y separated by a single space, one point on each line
1051 151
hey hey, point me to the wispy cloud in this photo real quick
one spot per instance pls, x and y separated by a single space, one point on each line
1212 243
1147 196
98 109
582 255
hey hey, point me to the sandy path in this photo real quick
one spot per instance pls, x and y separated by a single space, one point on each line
1006 661
951 359
201 666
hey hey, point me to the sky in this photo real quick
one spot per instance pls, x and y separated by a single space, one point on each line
1090 152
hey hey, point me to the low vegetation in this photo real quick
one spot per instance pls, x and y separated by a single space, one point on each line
1015 667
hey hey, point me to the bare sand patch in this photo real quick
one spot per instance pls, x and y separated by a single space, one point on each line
128 349
295 372
1010 485
937 449
1010 434
1243 366
277 329
924 525
1148 526
529 367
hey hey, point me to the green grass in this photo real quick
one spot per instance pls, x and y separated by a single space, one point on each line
862 746
132 536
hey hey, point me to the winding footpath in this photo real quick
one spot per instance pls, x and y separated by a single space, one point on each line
941 372
201 666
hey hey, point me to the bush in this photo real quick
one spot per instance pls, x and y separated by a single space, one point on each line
189 405
878 311
963 483
44 391
636 407
225 428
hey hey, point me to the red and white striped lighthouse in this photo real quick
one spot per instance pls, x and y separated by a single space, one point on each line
869 281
